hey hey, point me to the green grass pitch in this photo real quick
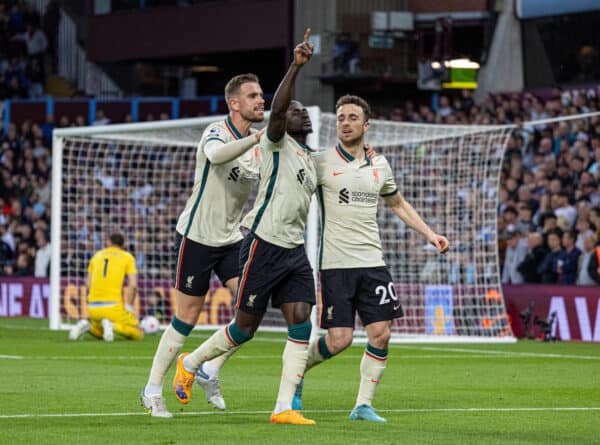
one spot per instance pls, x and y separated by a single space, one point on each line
53 391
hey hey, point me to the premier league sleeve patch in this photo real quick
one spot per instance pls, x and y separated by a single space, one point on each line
215 133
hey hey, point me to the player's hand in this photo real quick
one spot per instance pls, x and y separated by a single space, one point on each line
303 52
370 152
259 134
440 242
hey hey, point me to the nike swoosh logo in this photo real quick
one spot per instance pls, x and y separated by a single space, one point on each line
337 173
396 307
200 373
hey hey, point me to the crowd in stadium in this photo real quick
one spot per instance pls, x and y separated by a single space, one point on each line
549 212
27 48
549 209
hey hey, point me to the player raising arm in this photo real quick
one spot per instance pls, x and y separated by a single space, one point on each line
272 259
208 237
107 271
354 277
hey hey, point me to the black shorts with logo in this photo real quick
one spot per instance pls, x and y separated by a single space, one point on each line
272 272
195 262
369 291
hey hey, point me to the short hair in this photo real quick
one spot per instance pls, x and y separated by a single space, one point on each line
234 84
355 100
572 234
117 239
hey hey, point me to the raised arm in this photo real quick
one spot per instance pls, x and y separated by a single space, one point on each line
219 152
283 95
409 215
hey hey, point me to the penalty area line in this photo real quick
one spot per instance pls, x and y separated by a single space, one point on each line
315 411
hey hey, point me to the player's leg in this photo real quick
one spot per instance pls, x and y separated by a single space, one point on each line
125 323
188 311
192 282
223 341
96 329
372 366
337 291
78 331
207 374
98 312
252 297
295 296
377 305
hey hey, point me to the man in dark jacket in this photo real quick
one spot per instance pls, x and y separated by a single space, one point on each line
594 265
548 267
536 251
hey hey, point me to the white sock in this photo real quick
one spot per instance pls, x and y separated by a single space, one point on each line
215 346
371 371
169 347
213 367
294 362
314 354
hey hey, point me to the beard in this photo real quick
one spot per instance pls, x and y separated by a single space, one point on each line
354 141
298 131
252 116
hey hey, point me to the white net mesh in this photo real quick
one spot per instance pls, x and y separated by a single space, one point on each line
450 175
138 181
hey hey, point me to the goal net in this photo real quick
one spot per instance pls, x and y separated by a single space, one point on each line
136 179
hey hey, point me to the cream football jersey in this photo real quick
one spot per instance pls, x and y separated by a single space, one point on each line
287 182
213 212
348 192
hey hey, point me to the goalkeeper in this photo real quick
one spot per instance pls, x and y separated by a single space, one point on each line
106 273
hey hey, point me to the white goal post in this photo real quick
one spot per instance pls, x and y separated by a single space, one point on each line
135 178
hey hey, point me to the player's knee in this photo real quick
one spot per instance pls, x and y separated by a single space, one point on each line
247 323
189 308
139 334
339 342
380 337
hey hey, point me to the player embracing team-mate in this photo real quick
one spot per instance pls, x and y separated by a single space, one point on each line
208 237
354 276
349 180
273 261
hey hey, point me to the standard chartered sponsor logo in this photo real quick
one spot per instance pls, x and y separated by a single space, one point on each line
364 197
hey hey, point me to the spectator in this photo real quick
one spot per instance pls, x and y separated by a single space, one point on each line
23 266
101 118
568 259
42 256
6 251
548 267
514 255
536 251
583 229
562 208
35 39
594 265
588 251
524 222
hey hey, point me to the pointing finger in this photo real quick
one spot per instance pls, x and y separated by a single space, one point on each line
306 35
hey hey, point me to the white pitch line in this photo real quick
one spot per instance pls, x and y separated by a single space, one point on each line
512 353
478 355
239 357
316 411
